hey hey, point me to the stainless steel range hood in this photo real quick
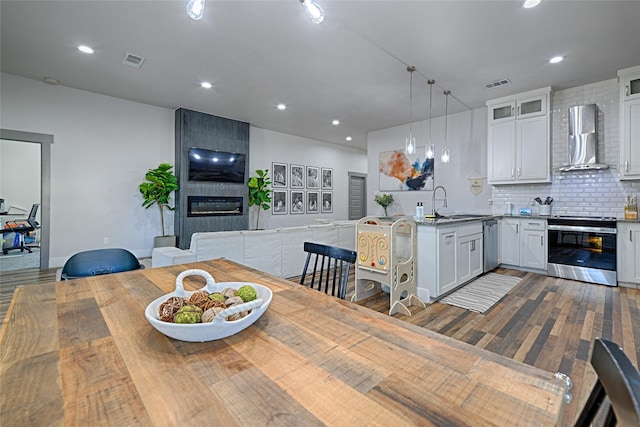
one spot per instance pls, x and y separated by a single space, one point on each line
583 139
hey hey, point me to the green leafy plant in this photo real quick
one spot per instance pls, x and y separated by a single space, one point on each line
156 190
259 191
384 200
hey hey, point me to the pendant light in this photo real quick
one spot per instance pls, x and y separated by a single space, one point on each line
314 11
430 149
195 9
410 142
446 155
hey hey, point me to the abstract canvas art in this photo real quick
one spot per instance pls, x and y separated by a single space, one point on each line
402 172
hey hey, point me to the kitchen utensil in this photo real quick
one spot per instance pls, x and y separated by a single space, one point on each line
548 201
539 200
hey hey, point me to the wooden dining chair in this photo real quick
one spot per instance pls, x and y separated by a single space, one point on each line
617 379
98 262
332 271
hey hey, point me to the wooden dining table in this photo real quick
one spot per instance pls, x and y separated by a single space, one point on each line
81 352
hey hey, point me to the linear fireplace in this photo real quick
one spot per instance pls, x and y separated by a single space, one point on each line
198 206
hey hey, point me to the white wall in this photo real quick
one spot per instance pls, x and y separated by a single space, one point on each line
102 148
269 146
467 141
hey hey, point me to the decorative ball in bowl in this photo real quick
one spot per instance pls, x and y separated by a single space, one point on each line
179 314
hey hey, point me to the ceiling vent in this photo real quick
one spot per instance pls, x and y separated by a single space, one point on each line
497 83
132 60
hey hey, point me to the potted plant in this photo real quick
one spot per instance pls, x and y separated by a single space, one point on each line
384 200
259 192
160 183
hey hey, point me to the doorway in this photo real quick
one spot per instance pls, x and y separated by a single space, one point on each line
357 195
44 141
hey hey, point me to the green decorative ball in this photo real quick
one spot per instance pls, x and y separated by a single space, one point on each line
247 293
217 296
188 314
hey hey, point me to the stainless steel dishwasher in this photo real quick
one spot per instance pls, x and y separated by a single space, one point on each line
490 240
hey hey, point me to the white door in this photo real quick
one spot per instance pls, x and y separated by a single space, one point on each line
631 138
533 157
501 152
510 241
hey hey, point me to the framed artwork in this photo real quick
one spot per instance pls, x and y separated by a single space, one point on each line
279 175
402 172
327 179
313 177
297 176
327 201
279 202
297 202
312 202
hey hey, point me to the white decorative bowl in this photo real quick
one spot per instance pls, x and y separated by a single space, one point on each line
220 327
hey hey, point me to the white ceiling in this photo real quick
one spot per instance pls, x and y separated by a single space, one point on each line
351 67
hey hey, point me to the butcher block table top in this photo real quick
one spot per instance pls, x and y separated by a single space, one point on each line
81 352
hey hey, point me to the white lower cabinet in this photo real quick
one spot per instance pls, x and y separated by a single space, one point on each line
449 255
628 253
524 243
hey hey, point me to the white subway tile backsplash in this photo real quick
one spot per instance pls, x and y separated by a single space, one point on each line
592 193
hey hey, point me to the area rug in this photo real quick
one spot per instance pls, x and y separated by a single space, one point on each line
481 294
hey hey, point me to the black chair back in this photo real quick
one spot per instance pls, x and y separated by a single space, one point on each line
99 261
32 216
333 271
619 380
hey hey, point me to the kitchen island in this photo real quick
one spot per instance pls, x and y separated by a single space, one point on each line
449 253
82 353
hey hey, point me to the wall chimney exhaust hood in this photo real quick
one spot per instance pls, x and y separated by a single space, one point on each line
583 139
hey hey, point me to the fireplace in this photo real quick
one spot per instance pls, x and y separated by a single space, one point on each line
198 206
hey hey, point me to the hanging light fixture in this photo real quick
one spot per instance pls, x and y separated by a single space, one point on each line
446 155
430 149
410 142
195 9
314 11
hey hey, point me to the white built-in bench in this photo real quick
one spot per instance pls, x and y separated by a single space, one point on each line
279 252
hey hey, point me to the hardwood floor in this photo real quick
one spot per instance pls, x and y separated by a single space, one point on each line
546 322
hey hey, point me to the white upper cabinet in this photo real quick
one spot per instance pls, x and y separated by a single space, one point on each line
519 143
629 123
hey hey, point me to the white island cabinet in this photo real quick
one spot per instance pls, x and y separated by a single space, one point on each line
628 253
449 255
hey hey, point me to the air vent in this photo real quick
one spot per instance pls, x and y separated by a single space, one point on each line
497 83
132 60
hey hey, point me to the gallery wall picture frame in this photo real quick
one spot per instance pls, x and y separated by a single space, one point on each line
327 179
279 175
327 201
313 205
313 177
279 202
297 202
296 179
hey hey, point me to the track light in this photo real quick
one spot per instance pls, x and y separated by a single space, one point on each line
314 11
195 9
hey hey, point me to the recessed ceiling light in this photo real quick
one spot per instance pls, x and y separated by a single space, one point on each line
528 4
206 85
85 49
556 59
335 122
282 107
348 138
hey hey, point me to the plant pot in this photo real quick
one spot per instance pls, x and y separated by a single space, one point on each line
164 241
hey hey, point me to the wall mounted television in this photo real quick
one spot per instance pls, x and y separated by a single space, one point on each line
219 166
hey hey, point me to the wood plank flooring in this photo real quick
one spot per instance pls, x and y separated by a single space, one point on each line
546 322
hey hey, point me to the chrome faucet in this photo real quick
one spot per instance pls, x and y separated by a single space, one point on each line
433 199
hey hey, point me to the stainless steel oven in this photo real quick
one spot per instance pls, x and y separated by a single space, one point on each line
582 248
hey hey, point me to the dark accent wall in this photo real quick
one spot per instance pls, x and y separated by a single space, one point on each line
200 130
